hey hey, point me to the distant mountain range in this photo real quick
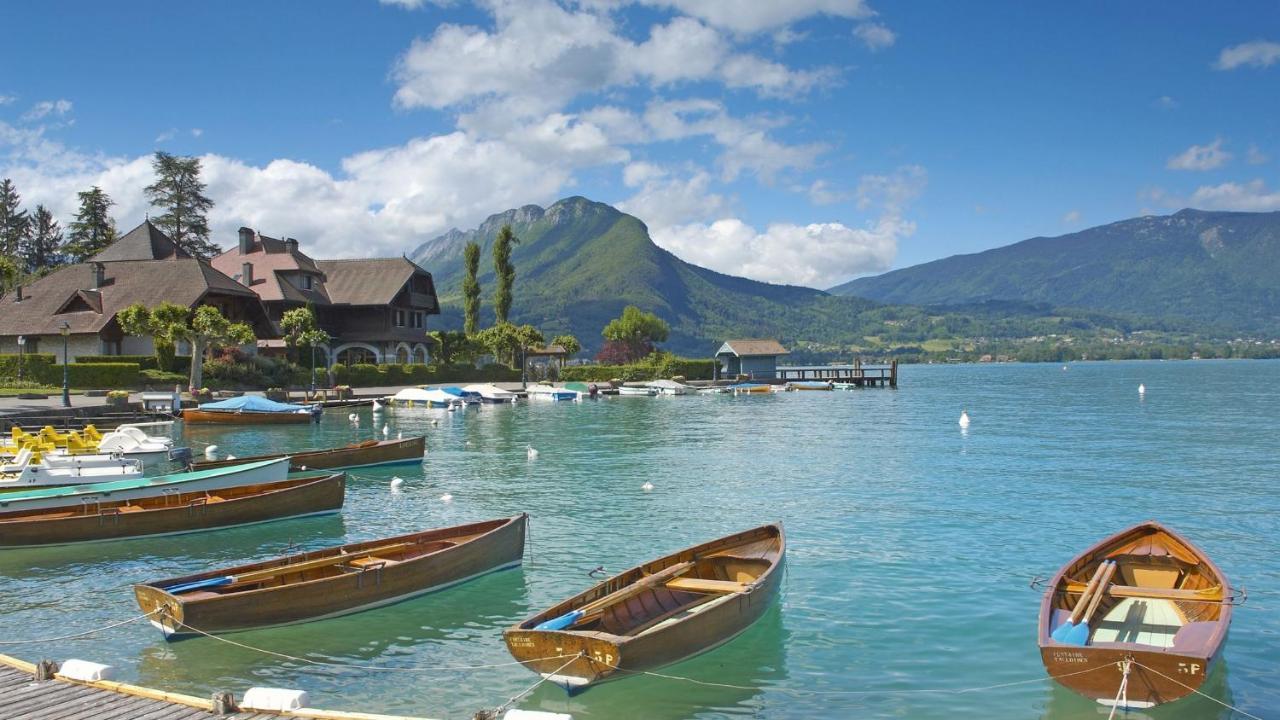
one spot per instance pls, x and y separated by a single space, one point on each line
1216 268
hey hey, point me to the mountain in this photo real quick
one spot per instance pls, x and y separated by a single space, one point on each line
1221 269
579 263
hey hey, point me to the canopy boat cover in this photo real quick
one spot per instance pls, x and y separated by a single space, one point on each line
670 387
254 403
424 398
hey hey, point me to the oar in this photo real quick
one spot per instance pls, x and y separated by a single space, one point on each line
1079 634
595 607
1061 632
266 573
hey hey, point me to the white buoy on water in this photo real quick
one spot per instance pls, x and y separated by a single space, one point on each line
211 452
530 452
1142 389
386 431
964 419
647 486
446 498
397 481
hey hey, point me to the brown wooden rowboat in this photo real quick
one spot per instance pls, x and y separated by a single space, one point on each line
193 415
1167 609
365 454
333 581
174 512
655 614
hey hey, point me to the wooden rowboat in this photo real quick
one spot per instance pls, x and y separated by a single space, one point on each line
366 454
331 582
655 614
192 415
1164 606
173 513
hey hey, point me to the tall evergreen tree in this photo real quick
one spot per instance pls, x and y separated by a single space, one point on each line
179 193
93 229
42 247
471 289
505 272
13 220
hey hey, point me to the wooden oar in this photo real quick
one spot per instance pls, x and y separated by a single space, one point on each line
596 607
266 573
1079 634
1061 632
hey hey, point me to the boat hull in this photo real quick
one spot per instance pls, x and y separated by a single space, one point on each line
171 515
500 546
245 418
1155 679
384 452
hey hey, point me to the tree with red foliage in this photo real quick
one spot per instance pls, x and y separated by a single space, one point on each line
617 352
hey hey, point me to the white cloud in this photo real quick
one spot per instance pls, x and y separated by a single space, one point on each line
752 16
196 132
1165 102
8 99
664 201
167 135
821 193
1259 53
1072 217
416 4
45 108
1200 157
1255 156
875 36
892 192
638 173
1246 197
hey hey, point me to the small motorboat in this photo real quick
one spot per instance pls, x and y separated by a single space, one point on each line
492 394
550 392
584 390
30 470
670 387
636 391
655 614
748 388
370 453
170 513
795 385
1145 609
252 410
844 386
332 581
468 397
424 398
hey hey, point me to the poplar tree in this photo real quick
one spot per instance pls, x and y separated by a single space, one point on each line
13 220
504 271
179 194
93 229
471 289
42 247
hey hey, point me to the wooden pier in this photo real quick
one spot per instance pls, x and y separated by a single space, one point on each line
24 697
855 374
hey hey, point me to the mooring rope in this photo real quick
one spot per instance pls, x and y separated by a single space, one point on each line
545 677
79 635
1122 694
1228 706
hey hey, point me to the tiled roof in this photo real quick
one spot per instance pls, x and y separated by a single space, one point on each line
753 348
374 281
145 242
273 260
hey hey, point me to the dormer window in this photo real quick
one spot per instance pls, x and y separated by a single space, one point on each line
306 282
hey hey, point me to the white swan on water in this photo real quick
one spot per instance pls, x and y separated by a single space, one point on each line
647 486
964 419
377 406
396 482
447 497
386 431
530 452
1142 389
211 452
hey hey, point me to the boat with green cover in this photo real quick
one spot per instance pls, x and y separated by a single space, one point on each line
267 471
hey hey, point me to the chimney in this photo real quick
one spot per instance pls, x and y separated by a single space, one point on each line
291 245
246 274
246 240
99 275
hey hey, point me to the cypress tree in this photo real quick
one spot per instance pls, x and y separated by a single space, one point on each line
93 229
179 194
471 289
13 220
42 246
505 272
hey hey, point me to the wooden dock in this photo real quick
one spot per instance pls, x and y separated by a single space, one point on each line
855 374
23 697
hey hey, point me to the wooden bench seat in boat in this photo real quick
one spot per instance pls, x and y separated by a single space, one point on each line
1213 594
700 585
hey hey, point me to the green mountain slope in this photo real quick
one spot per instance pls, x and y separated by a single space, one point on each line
1215 268
580 262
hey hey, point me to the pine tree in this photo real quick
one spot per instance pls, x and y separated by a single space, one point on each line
505 272
93 229
41 249
13 220
471 289
179 193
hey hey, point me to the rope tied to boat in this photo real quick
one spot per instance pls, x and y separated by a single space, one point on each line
1228 706
1122 693
545 677
81 635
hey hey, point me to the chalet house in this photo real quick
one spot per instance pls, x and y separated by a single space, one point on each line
143 266
754 358
375 310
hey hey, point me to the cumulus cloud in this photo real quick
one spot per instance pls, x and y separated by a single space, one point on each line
1071 217
45 108
892 192
1255 156
8 99
752 16
874 36
821 193
1259 53
664 201
1165 102
1200 157
1252 196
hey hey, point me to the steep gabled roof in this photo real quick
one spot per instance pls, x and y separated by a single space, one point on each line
752 348
375 281
145 242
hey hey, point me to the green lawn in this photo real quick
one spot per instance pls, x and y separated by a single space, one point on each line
51 391
938 345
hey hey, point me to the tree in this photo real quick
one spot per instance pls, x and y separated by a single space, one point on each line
8 274
161 323
301 330
504 271
210 329
168 323
507 341
569 343
13 220
636 331
93 229
42 246
179 193
471 289
452 346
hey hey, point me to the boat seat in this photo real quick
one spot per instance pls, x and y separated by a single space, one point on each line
1213 594
699 585
1141 621
370 562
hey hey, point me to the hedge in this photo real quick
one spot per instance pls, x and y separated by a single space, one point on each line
34 365
689 368
181 363
363 375
100 375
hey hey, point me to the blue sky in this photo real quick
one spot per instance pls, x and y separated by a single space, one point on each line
809 141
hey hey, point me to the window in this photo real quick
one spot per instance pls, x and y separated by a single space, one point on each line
415 320
306 282
399 318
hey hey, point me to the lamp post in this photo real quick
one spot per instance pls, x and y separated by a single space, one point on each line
66 379
524 368
22 342
313 370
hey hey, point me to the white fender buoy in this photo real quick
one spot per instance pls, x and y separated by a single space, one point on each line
211 452
446 498
964 419
647 486
1142 389
530 452
397 481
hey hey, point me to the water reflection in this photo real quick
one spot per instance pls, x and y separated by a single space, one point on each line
1063 704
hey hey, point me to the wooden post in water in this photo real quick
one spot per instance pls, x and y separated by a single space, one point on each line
893 374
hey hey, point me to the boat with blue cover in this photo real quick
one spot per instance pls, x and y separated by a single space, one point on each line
252 410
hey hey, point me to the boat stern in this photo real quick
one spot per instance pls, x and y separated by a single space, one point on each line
163 611
574 661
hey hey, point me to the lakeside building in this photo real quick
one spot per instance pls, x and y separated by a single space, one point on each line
754 358
375 310
143 266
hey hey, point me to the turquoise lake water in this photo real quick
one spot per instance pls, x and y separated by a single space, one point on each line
911 543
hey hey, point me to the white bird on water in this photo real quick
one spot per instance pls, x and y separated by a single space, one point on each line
530 452
377 406
231 457
211 452
1142 389
964 418
647 486
396 482
355 419
386 431
447 497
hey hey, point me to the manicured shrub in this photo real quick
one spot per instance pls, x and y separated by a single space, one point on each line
100 375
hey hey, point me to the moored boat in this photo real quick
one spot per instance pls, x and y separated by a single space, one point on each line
636 391
1145 608
670 387
369 453
550 392
211 479
655 614
492 393
333 581
844 386
252 410
423 398
748 388
467 397
810 385
170 513
30 470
